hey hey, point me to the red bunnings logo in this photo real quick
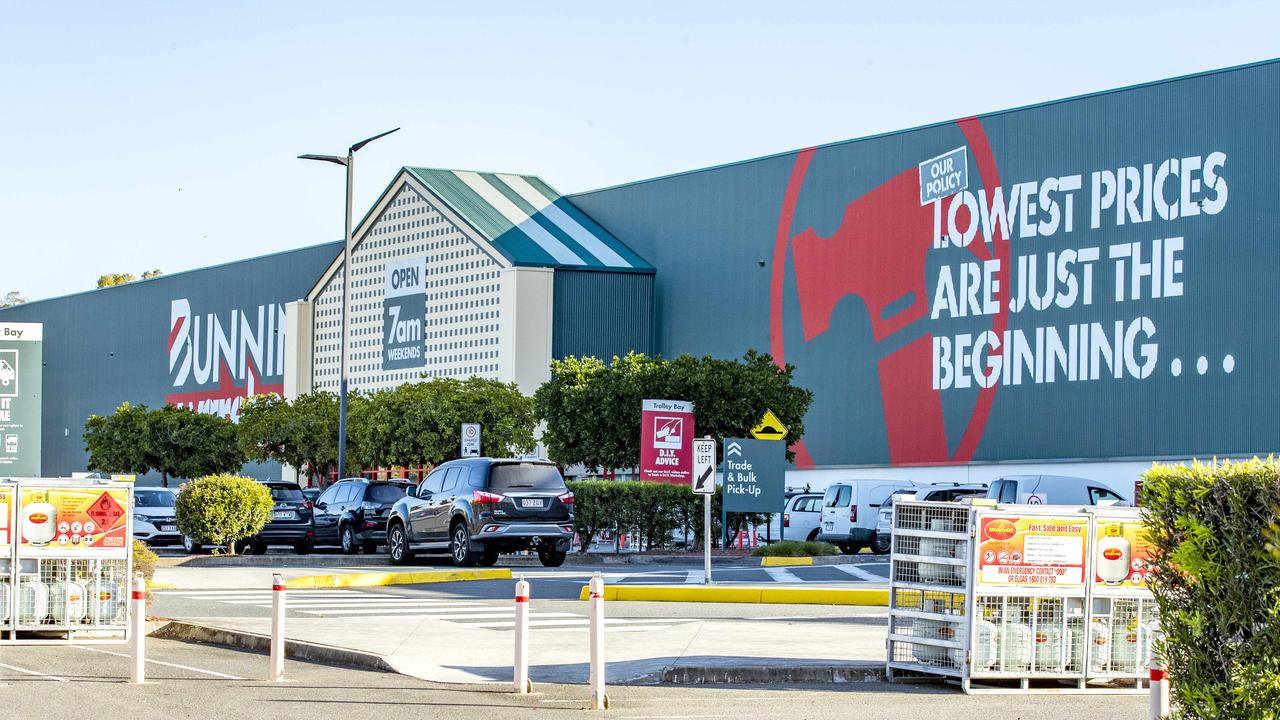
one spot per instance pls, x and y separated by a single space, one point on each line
224 357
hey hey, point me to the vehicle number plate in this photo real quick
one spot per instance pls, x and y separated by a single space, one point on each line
530 503
168 528
285 515
828 526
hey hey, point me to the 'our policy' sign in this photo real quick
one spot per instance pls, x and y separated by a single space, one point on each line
754 475
403 311
21 374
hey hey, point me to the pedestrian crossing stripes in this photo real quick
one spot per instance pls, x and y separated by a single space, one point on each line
488 615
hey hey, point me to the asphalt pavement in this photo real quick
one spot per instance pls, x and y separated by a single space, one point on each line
188 680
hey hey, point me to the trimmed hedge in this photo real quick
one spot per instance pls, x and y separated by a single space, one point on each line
1216 578
795 548
652 509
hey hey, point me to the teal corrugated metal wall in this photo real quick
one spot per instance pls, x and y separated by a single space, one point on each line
602 313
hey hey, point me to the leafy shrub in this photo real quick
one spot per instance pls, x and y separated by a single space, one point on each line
221 509
144 560
1217 584
795 548
652 509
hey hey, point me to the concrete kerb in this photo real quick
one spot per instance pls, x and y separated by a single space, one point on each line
799 674
349 580
296 649
745 594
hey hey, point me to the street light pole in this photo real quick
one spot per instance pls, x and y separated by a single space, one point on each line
350 163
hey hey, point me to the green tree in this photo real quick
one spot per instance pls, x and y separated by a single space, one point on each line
121 442
223 509
302 433
189 444
12 298
592 410
113 279
148 274
416 424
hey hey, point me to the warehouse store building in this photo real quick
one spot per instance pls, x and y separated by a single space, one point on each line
1077 287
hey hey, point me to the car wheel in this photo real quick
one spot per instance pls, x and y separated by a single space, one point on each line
550 557
398 545
191 547
813 536
302 547
490 556
347 536
882 545
460 546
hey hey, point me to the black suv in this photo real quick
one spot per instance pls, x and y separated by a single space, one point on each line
290 523
353 512
479 507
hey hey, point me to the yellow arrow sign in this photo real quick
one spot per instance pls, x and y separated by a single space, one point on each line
770 428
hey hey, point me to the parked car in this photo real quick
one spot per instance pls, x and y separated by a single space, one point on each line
290 524
800 518
154 521
311 493
850 511
938 492
477 508
353 513
1055 490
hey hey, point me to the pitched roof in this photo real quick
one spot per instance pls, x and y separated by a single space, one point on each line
528 221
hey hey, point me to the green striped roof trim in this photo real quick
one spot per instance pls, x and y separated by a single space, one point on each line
528 221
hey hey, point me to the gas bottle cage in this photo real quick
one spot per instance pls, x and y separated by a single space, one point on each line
65 561
1035 597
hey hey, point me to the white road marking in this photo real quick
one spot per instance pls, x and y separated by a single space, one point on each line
351 602
859 573
578 620
161 662
25 671
440 614
782 575
695 577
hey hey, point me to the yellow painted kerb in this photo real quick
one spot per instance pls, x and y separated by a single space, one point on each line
346 580
781 561
745 594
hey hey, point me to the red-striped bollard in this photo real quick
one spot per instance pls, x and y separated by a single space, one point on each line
1159 691
599 701
523 686
138 621
277 627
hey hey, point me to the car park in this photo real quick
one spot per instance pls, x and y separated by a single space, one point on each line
938 492
352 513
477 508
850 510
154 519
1055 490
290 524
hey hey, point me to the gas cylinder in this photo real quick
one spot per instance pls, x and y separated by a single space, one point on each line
1112 559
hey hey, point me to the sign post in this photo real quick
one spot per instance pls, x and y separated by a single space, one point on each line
21 375
754 475
704 484
470 440
666 429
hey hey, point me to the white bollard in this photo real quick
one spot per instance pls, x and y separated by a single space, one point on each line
277 627
138 621
599 701
1159 691
523 686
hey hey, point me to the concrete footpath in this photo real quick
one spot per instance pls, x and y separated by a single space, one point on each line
697 651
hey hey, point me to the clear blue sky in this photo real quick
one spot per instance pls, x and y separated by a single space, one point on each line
162 134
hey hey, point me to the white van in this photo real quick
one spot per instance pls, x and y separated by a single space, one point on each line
1055 490
850 510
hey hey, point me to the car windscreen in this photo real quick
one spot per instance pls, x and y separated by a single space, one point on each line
525 477
153 498
385 493
286 493
837 496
